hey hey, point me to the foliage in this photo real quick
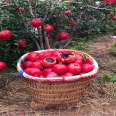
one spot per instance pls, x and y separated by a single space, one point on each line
88 18
109 77
80 44
112 50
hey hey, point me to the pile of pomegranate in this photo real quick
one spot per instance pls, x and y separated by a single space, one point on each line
57 63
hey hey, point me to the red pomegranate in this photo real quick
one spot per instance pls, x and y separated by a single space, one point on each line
36 22
5 35
3 65
63 35
48 28
68 13
22 43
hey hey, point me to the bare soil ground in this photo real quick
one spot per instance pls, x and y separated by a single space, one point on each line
100 100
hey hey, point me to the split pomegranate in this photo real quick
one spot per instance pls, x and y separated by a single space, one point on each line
56 63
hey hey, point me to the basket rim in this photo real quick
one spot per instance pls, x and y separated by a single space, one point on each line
55 79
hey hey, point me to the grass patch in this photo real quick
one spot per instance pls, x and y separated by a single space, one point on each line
80 43
109 77
112 51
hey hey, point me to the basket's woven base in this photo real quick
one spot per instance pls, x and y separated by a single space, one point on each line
46 95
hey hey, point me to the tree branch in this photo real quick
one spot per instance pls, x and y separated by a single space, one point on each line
30 8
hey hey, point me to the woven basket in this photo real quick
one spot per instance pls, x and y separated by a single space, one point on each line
50 92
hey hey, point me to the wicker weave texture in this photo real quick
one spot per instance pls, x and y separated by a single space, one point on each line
53 94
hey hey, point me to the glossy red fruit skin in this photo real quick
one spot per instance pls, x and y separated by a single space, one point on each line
5 35
32 56
28 70
89 61
79 56
45 63
22 43
67 74
60 68
48 28
53 54
36 22
79 61
37 64
3 65
110 1
114 17
63 35
51 74
27 64
74 68
33 72
68 13
36 72
46 71
87 68
70 58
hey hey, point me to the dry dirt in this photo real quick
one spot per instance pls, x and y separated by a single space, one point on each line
100 100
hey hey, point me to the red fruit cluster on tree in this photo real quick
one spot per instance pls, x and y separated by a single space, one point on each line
48 28
110 1
5 35
36 22
63 35
57 63
22 43
3 65
68 13
114 17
